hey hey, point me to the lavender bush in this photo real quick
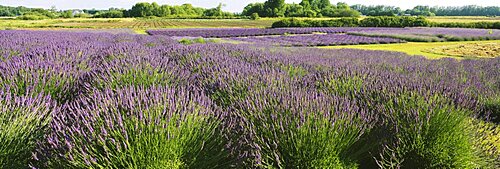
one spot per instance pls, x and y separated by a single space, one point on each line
140 128
23 124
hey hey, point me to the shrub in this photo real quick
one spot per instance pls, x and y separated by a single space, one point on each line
428 133
110 14
478 25
199 40
342 22
391 21
254 16
23 124
141 128
379 21
38 78
187 41
32 17
315 131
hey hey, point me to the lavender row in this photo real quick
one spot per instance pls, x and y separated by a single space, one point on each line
433 34
319 40
245 32
228 32
458 32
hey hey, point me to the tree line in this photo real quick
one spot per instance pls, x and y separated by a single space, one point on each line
142 9
378 21
381 21
306 8
269 8
145 9
469 10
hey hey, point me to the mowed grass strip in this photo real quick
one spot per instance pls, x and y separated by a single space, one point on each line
486 50
174 23
412 48
463 19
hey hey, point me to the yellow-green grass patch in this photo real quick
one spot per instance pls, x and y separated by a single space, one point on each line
463 19
486 50
412 48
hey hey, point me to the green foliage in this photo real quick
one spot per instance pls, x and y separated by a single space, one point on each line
67 14
489 134
380 21
315 8
274 8
342 86
59 86
317 142
311 138
428 134
22 126
145 76
294 71
110 14
32 17
82 15
187 41
342 22
255 16
379 10
492 107
468 10
177 141
217 12
385 21
479 25
145 9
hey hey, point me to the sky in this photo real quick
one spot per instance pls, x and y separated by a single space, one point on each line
231 5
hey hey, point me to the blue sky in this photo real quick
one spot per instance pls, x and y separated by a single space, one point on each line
231 5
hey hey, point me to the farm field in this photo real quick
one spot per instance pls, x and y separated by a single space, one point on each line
110 23
466 19
139 23
102 98
417 48
486 50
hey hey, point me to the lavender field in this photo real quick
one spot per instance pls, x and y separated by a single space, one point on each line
102 100
318 40
326 36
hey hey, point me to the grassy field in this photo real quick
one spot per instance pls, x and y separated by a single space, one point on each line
157 23
466 19
105 23
486 50
413 48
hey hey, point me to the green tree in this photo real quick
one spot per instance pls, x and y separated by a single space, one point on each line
254 8
67 14
318 5
254 16
164 11
141 9
275 7
306 4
